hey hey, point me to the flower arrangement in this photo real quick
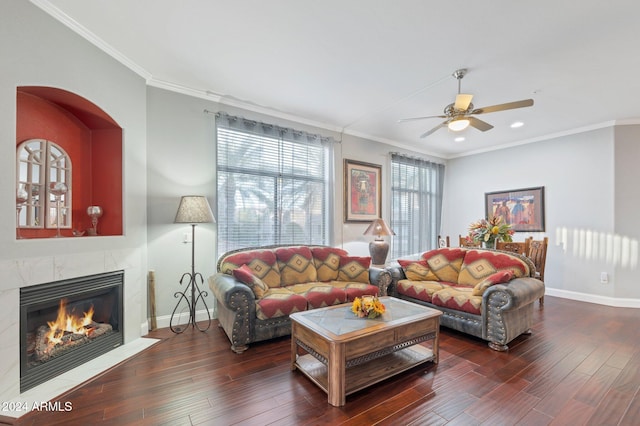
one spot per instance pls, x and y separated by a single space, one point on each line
367 306
490 230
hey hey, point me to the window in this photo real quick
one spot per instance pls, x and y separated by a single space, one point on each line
273 185
44 185
416 209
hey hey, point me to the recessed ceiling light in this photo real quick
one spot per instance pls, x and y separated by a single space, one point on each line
459 139
517 124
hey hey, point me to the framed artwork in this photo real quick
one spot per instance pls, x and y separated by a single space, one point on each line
362 191
523 209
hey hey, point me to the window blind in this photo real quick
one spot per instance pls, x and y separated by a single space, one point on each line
273 185
416 204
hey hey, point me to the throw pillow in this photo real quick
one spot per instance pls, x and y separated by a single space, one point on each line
296 265
245 274
354 269
445 263
417 270
499 277
480 264
327 261
262 262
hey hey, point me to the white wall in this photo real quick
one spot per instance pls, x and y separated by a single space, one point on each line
181 161
626 208
581 195
39 51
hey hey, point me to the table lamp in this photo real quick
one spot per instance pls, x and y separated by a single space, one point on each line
378 248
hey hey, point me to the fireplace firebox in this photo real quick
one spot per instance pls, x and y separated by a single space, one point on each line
66 323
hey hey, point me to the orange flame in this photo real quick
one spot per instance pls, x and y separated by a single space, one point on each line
68 323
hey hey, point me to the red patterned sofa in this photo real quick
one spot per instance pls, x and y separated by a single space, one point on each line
257 288
486 293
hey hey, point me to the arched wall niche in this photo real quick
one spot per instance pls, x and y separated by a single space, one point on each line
93 141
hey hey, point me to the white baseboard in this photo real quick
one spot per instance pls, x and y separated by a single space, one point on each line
144 328
600 300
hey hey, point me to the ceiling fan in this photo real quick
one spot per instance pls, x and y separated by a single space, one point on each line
461 114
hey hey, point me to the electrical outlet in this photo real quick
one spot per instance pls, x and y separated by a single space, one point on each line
604 278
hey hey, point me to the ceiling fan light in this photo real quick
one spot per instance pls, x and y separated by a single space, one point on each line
458 125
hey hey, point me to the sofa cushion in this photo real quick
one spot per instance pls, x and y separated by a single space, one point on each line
263 263
354 268
480 264
458 298
245 274
353 289
499 277
422 290
279 302
296 265
319 295
445 263
417 270
327 262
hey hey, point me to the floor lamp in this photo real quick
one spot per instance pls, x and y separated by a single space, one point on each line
193 209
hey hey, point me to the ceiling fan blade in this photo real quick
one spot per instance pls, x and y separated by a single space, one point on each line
462 101
502 107
404 120
439 126
483 126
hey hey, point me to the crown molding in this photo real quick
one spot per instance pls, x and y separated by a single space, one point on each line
78 28
539 138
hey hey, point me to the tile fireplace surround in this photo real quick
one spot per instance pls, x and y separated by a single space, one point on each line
27 272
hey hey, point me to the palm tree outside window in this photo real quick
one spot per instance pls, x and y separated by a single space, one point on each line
274 185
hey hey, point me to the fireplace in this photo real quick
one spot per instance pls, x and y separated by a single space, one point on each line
66 323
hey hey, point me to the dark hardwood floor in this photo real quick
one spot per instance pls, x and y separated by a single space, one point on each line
581 366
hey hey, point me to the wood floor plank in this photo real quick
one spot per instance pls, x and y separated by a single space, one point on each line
580 366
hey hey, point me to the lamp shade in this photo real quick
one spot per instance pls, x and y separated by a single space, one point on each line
458 124
379 228
194 209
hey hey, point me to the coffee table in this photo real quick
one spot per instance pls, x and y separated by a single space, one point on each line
342 353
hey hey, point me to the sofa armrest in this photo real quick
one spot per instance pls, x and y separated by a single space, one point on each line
380 278
516 293
396 274
236 309
229 292
507 310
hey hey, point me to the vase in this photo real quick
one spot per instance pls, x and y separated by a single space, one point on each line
490 244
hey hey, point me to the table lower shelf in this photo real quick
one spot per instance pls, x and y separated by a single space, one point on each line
368 373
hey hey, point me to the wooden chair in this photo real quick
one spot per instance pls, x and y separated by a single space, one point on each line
467 243
515 246
443 241
538 255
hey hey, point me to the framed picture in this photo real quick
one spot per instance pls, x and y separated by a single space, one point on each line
523 209
362 191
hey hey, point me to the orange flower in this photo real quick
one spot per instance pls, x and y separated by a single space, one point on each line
367 306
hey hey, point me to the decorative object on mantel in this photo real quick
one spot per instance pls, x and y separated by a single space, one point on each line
488 231
193 209
94 213
22 196
58 189
367 307
378 248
